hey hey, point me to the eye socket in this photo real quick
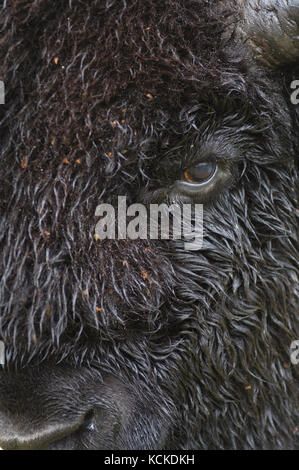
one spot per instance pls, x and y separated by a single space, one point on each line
200 173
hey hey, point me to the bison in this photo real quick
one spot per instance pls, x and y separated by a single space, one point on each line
144 344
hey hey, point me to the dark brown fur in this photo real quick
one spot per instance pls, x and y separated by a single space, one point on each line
166 348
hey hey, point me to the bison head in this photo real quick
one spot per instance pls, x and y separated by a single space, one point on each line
144 344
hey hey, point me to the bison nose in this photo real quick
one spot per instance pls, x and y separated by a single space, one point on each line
16 436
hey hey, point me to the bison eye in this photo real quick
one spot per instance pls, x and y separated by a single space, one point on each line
200 173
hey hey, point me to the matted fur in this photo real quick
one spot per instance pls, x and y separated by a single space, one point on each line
116 97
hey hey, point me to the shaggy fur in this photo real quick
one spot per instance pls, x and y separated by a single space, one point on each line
154 346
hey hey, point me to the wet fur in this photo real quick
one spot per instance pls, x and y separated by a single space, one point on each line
105 99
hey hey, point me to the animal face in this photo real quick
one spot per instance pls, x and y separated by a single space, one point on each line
144 344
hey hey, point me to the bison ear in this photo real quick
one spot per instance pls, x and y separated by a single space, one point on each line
272 28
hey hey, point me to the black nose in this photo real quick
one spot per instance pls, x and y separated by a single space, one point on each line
14 437
52 406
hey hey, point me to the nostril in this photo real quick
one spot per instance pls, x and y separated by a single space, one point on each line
74 438
13 438
89 420
98 430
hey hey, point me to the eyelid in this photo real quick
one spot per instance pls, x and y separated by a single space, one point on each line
192 188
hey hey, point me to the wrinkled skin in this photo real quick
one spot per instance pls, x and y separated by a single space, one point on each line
143 344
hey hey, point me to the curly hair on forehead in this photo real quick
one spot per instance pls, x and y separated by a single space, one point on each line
142 344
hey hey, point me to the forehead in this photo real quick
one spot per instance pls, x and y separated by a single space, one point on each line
109 49
98 80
